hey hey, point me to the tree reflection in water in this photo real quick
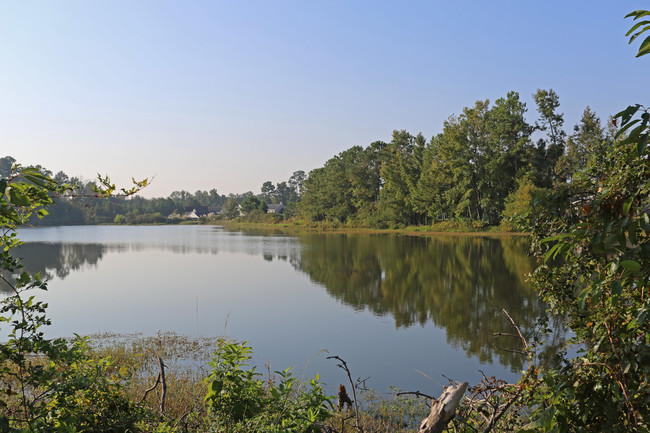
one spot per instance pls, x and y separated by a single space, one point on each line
453 281
55 259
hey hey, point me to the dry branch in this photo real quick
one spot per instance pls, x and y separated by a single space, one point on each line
159 379
164 385
417 394
344 365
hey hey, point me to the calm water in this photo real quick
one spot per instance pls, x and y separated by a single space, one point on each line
394 307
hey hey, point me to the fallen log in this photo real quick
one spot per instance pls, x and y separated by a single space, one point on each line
443 409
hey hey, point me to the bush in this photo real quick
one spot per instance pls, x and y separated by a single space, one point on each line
239 401
594 238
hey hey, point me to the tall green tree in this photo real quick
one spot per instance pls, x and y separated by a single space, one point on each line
268 191
252 203
327 191
550 148
588 141
400 173
296 182
444 187
507 155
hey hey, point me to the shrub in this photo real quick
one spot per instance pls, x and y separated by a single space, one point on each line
239 401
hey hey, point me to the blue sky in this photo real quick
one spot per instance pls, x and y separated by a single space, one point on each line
229 94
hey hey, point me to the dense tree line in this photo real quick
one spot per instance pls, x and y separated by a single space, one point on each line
483 163
83 206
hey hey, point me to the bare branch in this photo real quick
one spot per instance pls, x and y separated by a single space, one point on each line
164 385
151 389
344 366
418 394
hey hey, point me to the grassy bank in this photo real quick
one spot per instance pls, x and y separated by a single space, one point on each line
444 228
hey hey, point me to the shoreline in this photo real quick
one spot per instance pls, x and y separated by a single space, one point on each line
408 231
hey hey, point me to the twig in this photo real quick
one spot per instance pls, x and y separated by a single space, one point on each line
361 383
499 414
504 334
159 379
418 394
344 366
182 418
151 389
510 350
514 325
164 385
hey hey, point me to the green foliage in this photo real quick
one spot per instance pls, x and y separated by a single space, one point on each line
257 216
594 237
466 172
239 401
252 203
551 148
518 204
587 142
400 173
47 384
638 29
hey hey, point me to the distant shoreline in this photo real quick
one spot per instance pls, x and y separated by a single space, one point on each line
409 231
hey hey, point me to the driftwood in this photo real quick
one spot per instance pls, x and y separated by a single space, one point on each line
443 409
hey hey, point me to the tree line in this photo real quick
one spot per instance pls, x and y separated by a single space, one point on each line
480 168
484 166
85 207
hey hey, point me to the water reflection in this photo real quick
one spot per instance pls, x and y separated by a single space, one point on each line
58 259
456 283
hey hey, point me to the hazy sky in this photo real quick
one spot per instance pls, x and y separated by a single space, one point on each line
229 94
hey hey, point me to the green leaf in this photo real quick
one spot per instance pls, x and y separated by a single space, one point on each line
38 181
638 14
32 171
644 48
627 205
16 197
636 26
627 126
631 265
636 35
627 114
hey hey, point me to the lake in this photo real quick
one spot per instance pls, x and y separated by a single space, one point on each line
402 310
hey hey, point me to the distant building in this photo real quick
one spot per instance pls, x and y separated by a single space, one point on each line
214 210
275 208
198 212
191 215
